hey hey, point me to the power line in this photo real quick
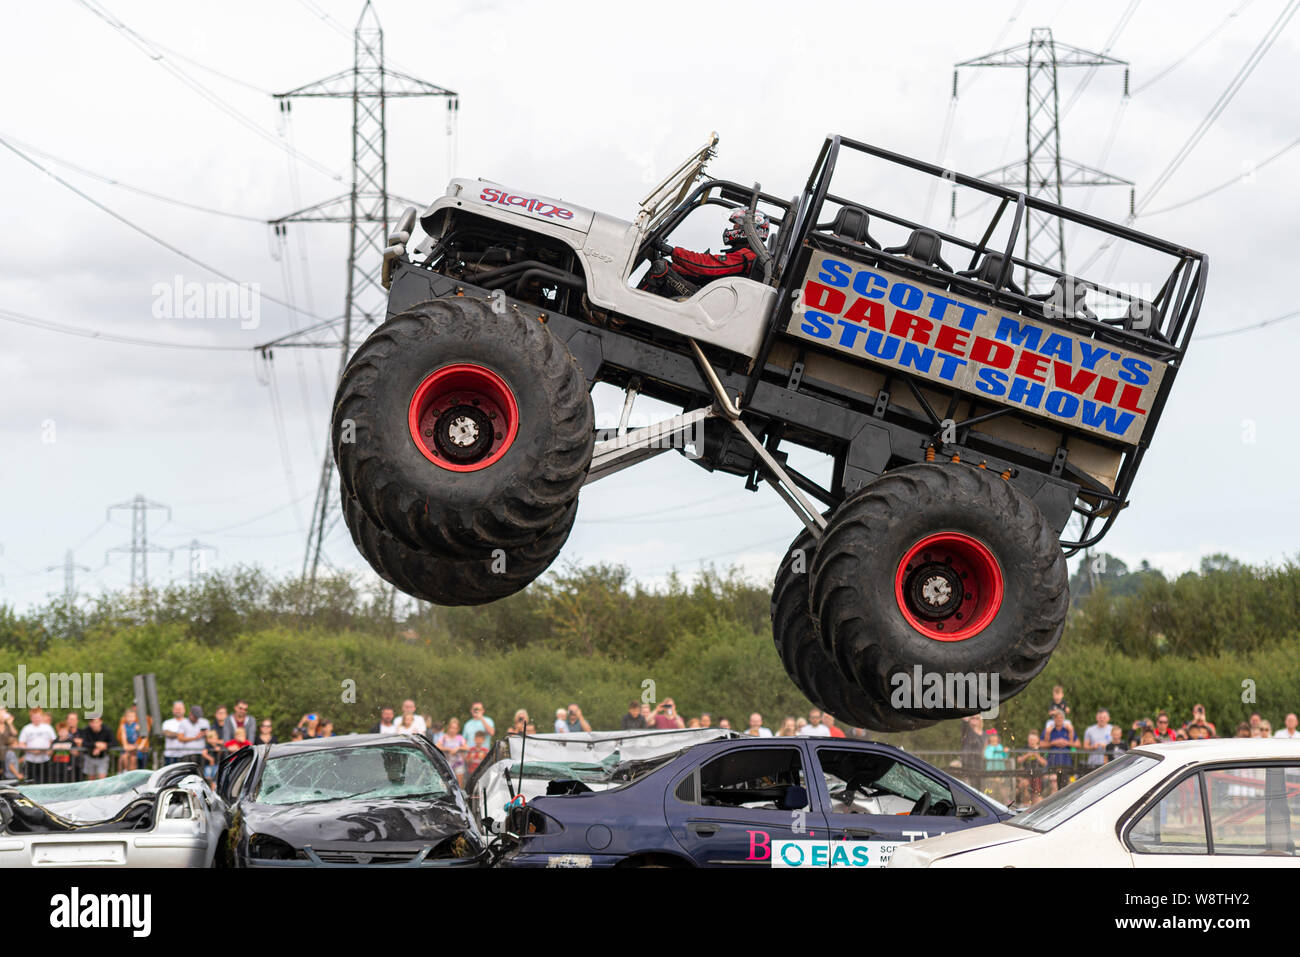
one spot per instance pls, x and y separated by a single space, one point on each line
727 554
1115 34
155 54
141 230
9 315
1118 118
282 438
328 20
1225 98
262 536
98 528
1251 328
945 137
1011 21
247 521
242 497
211 69
661 520
659 511
1121 111
1225 184
68 164
1193 51
1203 127
346 32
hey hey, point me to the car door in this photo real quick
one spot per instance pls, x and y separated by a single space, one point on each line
233 772
728 808
876 795
1227 815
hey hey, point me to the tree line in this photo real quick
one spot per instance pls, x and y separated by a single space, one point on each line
1135 641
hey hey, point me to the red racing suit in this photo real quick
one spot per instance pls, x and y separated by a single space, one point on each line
737 261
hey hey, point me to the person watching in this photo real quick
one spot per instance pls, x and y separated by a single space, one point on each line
632 721
666 717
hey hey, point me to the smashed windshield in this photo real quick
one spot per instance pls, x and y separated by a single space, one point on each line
613 769
911 784
83 790
387 771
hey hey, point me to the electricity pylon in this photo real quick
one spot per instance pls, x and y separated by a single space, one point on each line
70 569
139 548
368 84
197 567
1043 173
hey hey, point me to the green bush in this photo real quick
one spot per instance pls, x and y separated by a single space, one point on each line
1135 643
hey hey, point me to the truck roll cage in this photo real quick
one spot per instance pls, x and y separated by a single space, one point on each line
716 192
1174 308
1159 327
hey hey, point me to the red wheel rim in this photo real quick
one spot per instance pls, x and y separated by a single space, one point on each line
949 586
463 417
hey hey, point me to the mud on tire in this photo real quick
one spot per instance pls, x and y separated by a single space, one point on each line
450 581
806 661
960 538
471 429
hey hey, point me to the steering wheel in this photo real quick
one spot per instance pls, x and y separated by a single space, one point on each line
654 247
921 806
851 787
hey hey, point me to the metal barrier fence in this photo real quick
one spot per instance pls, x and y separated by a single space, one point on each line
1022 777
66 765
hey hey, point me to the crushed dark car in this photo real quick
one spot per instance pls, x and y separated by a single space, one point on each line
349 801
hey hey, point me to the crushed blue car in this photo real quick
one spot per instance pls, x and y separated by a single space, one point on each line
745 802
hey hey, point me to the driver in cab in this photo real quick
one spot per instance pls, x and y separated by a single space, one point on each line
737 259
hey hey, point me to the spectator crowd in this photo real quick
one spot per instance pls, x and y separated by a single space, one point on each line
47 750
1056 754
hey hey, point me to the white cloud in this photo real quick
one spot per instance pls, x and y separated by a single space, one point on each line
580 100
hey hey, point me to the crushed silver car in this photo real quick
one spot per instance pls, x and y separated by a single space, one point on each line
164 818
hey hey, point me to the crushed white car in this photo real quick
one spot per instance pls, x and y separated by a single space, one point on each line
164 818
1228 802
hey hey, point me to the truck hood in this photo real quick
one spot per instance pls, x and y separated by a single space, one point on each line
524 203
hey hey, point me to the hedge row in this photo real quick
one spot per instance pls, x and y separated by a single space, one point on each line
726 669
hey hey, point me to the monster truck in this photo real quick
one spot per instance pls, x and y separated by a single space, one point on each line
978 430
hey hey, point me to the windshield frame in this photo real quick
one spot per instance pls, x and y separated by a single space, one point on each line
1076 798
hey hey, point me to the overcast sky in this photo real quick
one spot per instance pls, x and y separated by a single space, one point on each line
591 102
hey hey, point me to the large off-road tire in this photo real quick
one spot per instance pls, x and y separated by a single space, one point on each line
452 581
461 429
806 661
945 568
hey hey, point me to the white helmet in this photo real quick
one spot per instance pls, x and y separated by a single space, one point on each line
735 233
